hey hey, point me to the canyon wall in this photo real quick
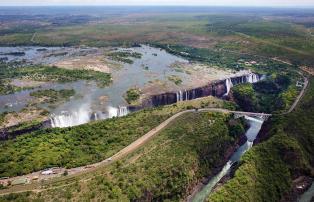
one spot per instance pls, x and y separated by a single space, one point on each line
218 89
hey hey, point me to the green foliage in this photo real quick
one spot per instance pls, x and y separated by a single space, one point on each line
132 95
123 56
6 88
236 127
175 79
209 56
245 96
53 96
272 94
166 167
2 118
47 73
80 145
266 171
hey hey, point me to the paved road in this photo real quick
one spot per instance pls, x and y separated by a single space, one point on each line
306 82
122 153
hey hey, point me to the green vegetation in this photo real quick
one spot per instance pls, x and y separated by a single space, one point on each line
132 95
123 56
274 33
275 93
53 96
6 88
80 145
47 73
175 79
266 172
2 118
164 169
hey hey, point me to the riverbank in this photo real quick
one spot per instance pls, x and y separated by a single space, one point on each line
201 184
275 168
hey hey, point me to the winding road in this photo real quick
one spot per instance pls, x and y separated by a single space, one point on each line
74 172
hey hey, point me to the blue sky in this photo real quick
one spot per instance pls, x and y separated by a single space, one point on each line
299 3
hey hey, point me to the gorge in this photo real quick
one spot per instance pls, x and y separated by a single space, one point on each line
218 89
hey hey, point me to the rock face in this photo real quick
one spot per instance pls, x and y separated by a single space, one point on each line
217 89
12 132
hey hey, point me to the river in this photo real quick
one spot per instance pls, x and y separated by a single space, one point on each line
251 134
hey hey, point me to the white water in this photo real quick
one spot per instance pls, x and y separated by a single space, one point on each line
117 112
229 85
84 115
249 78
179 96
251 133
67 119
252 78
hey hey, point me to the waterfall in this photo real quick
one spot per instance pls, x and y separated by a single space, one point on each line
117 112
179 96
84 115
95 116
68 119
229 85
252 78
186 95
122 111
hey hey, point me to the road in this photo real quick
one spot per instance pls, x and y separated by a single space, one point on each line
306 82
122 153
33 37
129 149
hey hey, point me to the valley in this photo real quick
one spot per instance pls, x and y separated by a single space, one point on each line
156 104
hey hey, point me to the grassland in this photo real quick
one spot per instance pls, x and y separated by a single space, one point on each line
250 34
266 172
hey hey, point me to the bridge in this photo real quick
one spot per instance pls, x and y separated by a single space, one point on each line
238 114
262 116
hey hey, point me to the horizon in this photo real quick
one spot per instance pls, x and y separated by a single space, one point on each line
170 3
158 5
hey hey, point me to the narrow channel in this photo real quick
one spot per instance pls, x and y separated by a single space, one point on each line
307 196
255 126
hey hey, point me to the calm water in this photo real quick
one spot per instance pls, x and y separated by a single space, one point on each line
88 93
42 55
